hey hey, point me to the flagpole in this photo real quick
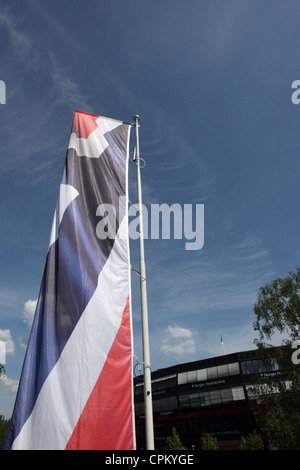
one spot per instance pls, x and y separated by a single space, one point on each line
222 344
145 331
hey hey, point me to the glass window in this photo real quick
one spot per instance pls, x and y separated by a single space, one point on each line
183 401
257 365
182 378
156 405
264 366
248 367
212 373
139 389
222 370
164 404
244 367
139 409
205 399
226 395
201 374
192 376
173 403
238 393
215 397
195 401
163 383
233 369
267 365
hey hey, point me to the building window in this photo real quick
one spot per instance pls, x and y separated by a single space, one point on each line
238 393
165 404
257 366
201 374
212 397
209 373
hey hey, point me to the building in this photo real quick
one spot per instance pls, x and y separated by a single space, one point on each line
210 396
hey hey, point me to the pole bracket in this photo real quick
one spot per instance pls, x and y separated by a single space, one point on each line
138 273
139 365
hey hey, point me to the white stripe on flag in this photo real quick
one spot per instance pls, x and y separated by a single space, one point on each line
61 399
96 142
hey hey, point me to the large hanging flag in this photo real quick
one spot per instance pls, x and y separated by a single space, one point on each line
76 388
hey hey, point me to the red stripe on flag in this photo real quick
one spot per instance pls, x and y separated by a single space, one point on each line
106 422
84 124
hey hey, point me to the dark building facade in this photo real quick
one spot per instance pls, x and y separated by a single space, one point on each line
210 396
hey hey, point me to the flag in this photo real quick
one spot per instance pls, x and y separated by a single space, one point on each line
76 387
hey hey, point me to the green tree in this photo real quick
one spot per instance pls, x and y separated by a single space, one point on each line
252 442
4 425
277 310
174 442
209 442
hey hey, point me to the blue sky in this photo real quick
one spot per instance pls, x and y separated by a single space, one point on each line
211 81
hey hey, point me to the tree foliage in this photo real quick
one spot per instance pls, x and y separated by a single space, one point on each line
252 442
4 425
277 310
174 442
209 442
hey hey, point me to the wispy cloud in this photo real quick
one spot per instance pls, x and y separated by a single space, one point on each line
207 293
21 42
209 285
30 126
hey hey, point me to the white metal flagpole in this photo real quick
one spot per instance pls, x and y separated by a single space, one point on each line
145 330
